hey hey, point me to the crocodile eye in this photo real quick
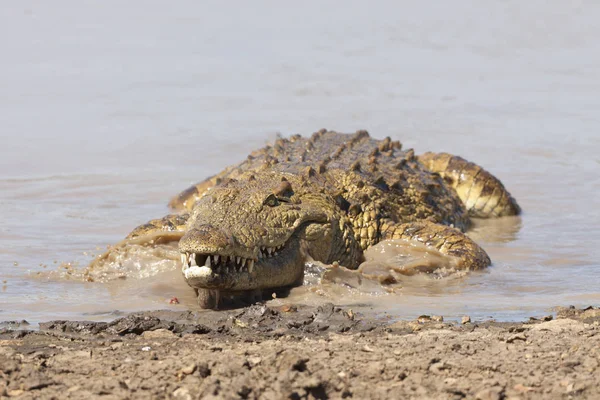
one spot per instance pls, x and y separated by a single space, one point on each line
271 200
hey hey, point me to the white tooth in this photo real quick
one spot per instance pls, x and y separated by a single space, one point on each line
259 255
216 259
237 259
183 258
207 262
275 253
231 258
269 250
192 259
250 266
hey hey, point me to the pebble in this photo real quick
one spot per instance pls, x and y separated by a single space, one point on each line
465 320
190 369
367 349
182 394
254 361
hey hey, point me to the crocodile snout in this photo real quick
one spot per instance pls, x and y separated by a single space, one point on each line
205 239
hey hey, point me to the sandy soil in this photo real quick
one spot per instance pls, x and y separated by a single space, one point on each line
295 352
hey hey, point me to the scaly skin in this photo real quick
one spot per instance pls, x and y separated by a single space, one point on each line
327 198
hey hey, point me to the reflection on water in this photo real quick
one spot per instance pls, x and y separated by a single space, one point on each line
108 112
497 230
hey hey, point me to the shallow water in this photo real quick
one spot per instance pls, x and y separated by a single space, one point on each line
109 109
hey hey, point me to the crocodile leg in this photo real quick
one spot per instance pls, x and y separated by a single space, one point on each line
164 230
448 241
482 193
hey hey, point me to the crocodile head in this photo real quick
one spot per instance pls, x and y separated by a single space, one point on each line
256 233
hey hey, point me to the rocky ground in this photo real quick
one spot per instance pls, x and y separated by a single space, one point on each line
301 352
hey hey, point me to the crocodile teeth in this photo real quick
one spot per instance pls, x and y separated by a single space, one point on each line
183 259
207 263
191 259
216 259
269 250
237 259
250 265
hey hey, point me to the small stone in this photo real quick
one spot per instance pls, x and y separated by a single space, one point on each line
182 394
239 323
465 320
367 349
146 348
204 369
190 369
254 361
423 319
287 308
438 367
437 318
350 314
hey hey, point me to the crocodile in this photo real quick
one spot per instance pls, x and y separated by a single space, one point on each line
252 227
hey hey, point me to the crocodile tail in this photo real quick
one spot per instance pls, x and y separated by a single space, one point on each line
482 193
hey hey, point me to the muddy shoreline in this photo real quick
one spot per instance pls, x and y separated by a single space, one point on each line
302 352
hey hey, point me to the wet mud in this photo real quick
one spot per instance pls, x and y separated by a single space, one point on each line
301 352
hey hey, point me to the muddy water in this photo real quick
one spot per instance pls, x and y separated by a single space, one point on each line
109 109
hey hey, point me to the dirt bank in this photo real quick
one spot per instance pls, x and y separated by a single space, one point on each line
301 352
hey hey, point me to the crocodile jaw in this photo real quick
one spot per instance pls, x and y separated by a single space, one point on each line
284 267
